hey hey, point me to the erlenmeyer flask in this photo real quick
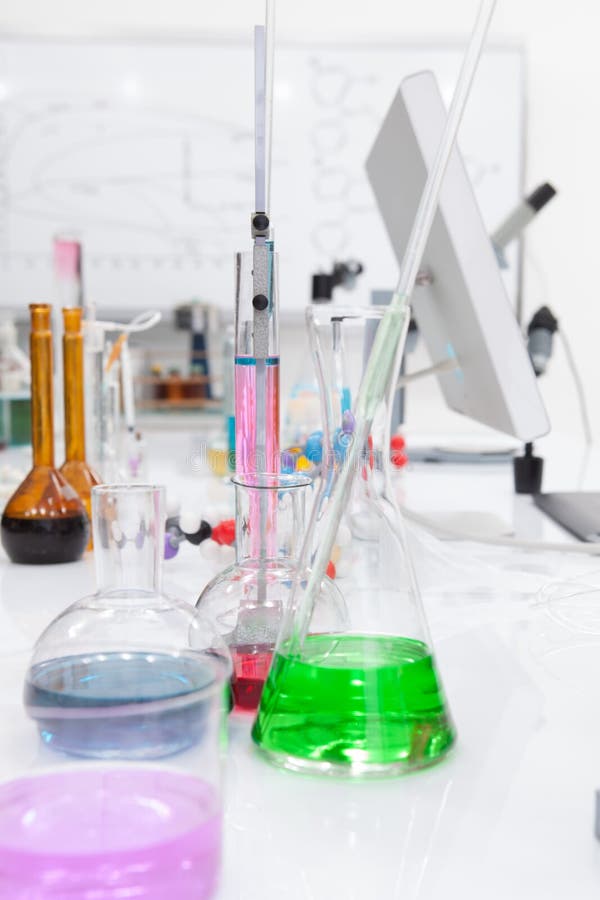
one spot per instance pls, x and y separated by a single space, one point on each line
44 521
75 468
369 701
125 673
247 600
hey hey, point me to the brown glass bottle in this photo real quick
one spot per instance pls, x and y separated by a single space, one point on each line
44 521
76 470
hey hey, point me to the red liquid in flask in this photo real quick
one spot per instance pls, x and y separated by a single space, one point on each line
251 664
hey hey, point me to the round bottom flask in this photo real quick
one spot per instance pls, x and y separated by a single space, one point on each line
125 672
247 600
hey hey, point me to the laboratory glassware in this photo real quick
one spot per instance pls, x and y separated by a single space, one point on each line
247 600
115 831
256 369
111 433
368 700
124 672
385 357
75 468
93 363
229 395
129 691
44 521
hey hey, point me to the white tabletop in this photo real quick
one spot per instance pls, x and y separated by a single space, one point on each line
508 814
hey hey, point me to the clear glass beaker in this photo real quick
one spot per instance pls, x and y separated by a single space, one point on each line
44 521
112 832
247 600
368 701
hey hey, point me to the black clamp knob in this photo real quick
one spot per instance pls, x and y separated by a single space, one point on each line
260 224
260 302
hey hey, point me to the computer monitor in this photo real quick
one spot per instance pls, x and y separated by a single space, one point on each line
464 311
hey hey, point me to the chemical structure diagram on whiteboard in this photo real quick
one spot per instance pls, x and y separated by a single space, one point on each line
146 152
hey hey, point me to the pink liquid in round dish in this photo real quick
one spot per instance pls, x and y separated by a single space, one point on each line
109 834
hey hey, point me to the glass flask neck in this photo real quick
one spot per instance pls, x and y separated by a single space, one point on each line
278 501
73 385
42 411
341 341
128 532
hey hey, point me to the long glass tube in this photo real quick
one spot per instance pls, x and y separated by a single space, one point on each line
75 467
257 387
384 356
42 402
73 385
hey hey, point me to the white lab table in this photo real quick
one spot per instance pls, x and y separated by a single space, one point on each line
509 814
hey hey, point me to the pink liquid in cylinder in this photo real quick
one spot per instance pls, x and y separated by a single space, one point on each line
107 835
248 457
254 401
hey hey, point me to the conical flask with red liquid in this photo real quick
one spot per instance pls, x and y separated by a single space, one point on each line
368 700
44 521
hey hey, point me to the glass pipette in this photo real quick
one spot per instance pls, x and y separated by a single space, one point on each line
384 358
257 376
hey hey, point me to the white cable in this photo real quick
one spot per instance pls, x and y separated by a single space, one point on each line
446 365
587 428
455 534
142 322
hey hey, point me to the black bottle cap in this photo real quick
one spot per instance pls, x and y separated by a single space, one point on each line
322 288
528 471
542 195
543 318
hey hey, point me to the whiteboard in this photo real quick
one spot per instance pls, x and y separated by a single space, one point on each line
145 149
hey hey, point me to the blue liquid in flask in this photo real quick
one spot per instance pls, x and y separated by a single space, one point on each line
120 705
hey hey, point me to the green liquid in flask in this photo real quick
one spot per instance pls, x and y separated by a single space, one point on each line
354 703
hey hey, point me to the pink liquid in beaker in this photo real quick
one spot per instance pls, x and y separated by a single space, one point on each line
103 834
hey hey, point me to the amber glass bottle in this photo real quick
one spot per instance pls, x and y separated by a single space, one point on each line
44 521
78 473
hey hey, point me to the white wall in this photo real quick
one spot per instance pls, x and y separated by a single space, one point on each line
562 40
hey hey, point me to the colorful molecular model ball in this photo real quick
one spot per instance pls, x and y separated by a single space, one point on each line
191 527
307 459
